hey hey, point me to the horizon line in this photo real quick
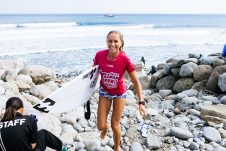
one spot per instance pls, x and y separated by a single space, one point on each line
112 13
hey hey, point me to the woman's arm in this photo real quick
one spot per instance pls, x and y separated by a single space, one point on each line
33 145
138 88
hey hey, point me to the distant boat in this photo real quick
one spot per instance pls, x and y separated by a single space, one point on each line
109 15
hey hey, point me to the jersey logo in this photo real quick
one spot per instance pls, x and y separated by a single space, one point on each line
110 80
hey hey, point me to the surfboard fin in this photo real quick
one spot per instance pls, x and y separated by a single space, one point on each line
87 110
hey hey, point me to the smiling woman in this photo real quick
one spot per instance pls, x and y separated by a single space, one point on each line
113 63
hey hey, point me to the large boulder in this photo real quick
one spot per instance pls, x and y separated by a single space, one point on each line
176 72
202 72
38 73
10 87
222 82
183 84
208 60
24 82
212 83
145 82
11 64
166 83
218 62
43 90
9 75
155 77
187 69
199 86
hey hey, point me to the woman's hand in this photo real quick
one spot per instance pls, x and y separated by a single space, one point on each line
142 110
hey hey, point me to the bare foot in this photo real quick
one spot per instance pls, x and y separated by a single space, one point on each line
103 133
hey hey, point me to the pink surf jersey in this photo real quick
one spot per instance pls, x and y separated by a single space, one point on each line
112 71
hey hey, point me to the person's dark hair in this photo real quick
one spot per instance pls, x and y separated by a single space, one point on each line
120 36
12 105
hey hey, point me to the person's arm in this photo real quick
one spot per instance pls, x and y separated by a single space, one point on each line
34 131
138 88
33 145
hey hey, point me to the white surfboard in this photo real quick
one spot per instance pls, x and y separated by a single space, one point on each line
73 94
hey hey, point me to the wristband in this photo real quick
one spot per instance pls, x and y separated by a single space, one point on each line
141 102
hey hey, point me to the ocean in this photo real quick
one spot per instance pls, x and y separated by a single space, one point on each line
68 42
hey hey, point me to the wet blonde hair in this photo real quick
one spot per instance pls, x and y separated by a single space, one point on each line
120 37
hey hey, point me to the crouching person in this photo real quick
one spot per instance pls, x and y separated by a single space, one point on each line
19 132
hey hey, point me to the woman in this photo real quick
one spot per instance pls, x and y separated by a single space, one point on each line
113 63
19 132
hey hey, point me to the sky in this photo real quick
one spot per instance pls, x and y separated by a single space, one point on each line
113 6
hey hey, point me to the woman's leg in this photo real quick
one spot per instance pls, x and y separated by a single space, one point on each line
118 106
46 138
104 106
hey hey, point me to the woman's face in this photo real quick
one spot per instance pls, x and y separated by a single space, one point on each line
114 43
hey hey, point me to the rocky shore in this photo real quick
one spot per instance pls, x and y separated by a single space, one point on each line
185 100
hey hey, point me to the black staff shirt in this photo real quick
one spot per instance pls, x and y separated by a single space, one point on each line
18 134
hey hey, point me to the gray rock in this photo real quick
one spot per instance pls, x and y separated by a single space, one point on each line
78 127
218 62
212 83
186 144
167 68
209 147
155 77
90 140
199 86
111 142
187 70
194 60
9 75
145 82
194 146
169 114
206 60
11 87
202 72
40 91
2 90
190 92
166 105
222 82
166 83
183 84
219 148
38 73
224 126
164 93
213 114
153 141
24 78
175 72
136 146
193 55
180 133
211 134
194 112
11 64
223 100
209 98
161 66
190 100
